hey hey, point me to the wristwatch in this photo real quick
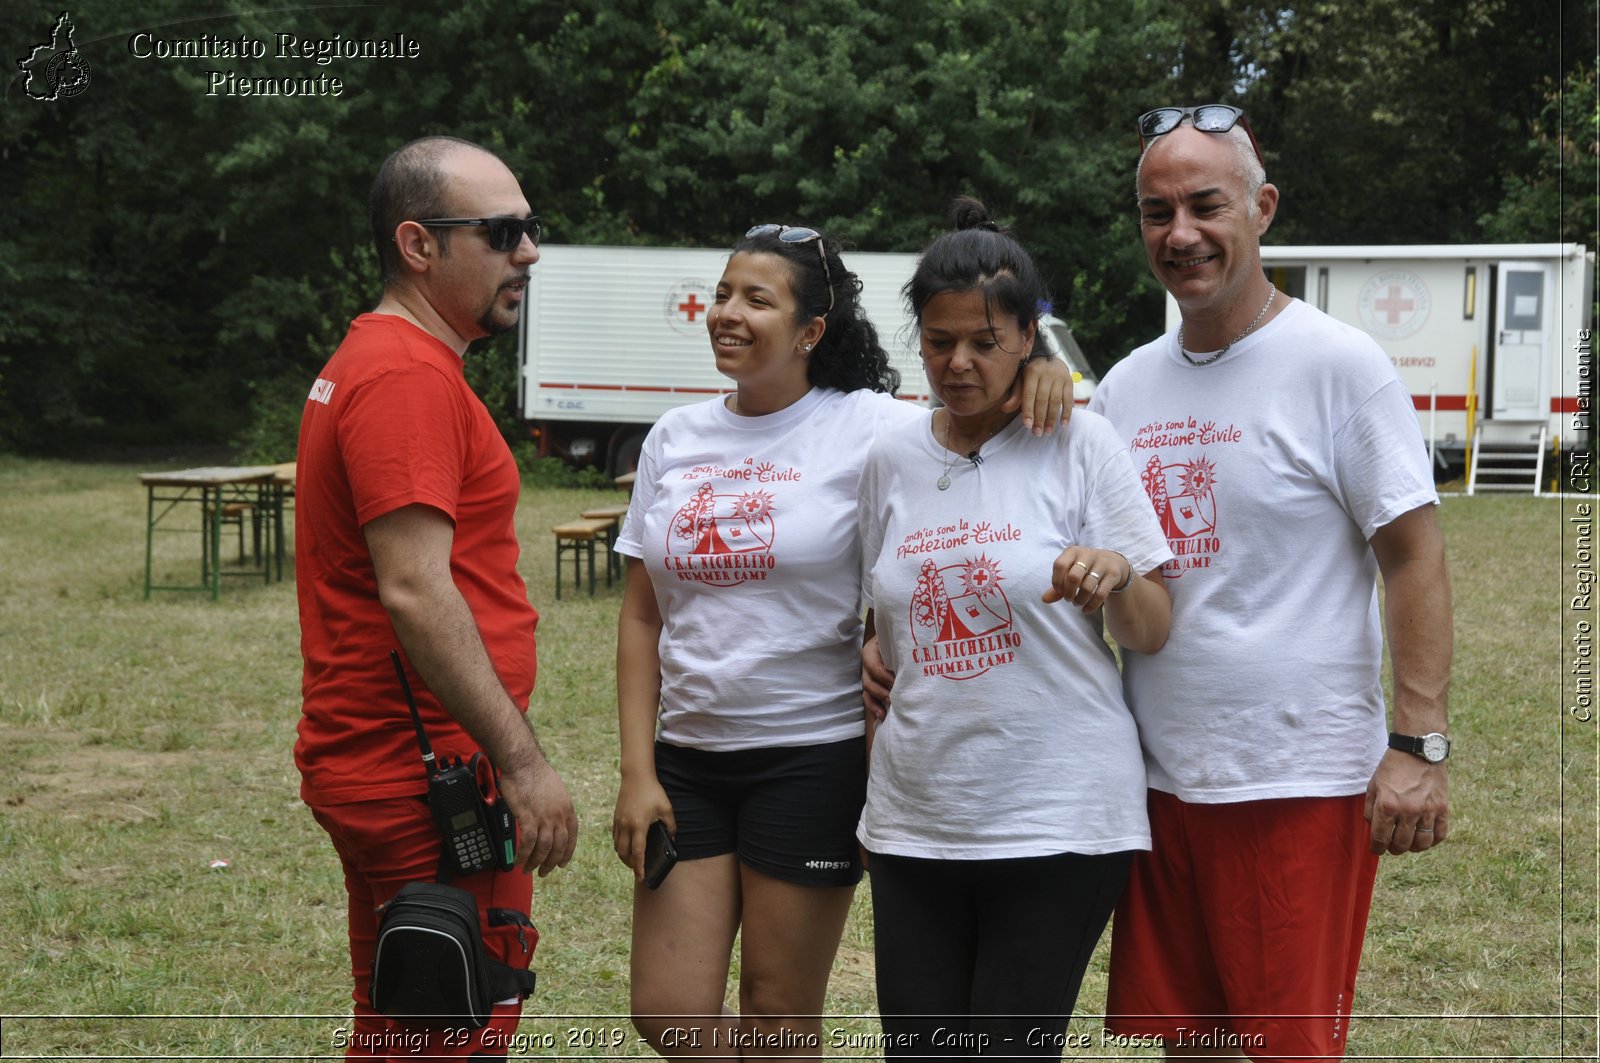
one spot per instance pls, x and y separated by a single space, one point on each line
1433 747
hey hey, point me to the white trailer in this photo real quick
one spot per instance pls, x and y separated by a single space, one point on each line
613 337
1491 339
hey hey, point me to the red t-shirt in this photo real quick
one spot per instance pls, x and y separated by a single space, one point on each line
390 422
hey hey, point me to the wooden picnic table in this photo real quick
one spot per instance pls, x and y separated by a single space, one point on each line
283 475
216 490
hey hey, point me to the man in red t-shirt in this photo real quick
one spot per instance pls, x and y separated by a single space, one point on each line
405 499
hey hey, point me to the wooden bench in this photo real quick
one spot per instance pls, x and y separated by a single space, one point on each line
577 537
283 479
212 489
234 513
614 514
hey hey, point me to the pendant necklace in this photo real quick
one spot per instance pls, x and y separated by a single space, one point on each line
949 463
951 457
1248 329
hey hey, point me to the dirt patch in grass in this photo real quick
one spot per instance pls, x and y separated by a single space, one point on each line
78 780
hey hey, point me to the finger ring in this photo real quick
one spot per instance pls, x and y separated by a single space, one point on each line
1094 575
1079 564
1424 830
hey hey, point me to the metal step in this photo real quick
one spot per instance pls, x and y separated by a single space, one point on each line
1512 467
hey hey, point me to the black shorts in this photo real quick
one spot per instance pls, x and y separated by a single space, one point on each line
789 812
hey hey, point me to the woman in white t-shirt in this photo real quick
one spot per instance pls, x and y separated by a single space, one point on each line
1007 788
738 667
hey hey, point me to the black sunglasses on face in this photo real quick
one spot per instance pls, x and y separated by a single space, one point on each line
504 233
797 234
1208 118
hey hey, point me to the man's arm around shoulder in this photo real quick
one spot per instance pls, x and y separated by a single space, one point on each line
1407 799
410 550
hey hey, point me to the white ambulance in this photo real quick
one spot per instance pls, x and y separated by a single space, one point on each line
612 337
1491 339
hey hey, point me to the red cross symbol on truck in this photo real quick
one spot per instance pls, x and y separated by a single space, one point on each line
1393 305
691 306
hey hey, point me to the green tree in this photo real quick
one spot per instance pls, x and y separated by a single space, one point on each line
178 264
1558 199
868 124
1391 123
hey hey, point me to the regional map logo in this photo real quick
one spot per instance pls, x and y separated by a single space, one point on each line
961 619
56 69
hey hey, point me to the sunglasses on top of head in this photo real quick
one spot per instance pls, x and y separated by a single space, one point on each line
797 234
504 233
1207 118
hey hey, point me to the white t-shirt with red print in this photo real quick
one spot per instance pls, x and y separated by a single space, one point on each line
1007 735
747 526
1270 470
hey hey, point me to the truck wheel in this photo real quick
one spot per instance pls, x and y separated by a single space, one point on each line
625 458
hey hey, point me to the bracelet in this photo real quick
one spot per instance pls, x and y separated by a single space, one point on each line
1126 580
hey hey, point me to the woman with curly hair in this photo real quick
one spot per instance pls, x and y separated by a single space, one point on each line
738 667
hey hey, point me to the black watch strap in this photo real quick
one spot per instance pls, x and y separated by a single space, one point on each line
1419 745
1405 743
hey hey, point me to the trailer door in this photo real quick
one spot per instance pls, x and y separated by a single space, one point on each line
1522 321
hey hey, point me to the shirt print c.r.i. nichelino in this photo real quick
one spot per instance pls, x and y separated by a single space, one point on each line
726 533
1006 734
1180 477
960 618
746 528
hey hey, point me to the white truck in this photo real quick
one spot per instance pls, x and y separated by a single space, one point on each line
1491 339
612 337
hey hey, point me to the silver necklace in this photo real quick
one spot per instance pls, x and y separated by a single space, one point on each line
1248 329
951 457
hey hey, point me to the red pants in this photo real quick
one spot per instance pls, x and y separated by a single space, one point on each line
1241 929
383 845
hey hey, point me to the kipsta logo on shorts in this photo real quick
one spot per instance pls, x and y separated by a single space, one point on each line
55 69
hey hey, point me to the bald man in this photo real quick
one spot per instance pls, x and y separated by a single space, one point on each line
1284 459
405 498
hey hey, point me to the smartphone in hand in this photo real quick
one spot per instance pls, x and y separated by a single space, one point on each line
659 854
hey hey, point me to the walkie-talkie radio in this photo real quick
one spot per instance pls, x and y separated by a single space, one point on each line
476 827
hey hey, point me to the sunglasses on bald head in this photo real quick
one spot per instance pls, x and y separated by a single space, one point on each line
797 234
504 233
1206 117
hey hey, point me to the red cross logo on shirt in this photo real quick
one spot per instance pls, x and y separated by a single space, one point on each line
691 306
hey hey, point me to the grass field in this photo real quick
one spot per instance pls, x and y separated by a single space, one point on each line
147 739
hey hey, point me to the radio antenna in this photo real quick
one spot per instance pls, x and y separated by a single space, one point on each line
416 717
